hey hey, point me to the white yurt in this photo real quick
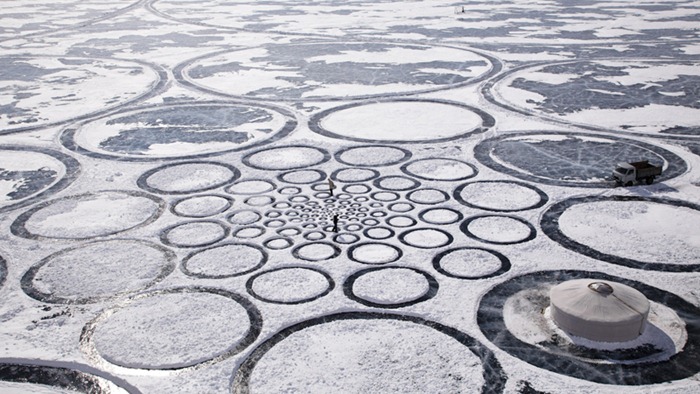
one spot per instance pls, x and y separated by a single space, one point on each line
598 310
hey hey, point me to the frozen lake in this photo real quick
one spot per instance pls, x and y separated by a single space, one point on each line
343 196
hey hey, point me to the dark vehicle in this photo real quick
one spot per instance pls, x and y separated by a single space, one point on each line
628 173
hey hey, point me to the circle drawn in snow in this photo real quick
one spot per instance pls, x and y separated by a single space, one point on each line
75 276
385 196
500 196
353 175
471 263
244 216
48 90
159 325
259 201
249 232
179 131
372 156
567 159
251 186
353 368
324 70
401 121
302 177
633 221
498 229
401 221
224 261
194 234
595 365
378 233
201 206
188 177
346 238
649 97
426 238
390 287
30 174
290 285
316 251
288 157
89 215
400 207
374 253
396 183
356 188
30 376
428 196
278 243
440 169
440 216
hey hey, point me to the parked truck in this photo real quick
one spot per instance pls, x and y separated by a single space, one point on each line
639 171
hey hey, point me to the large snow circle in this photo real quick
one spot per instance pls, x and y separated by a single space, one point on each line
289 157
251 186
179 131
290 285
440 169
28 174
224 261
513 316
440 216
89 215
372 156
189 177
75 276
29 376
201 206
570 159
390 287
333 70
640 232
316 251
471 263
173 329
498 229
194 234
401 121
500 196
352 175
53 90
361 352
426 238
374 253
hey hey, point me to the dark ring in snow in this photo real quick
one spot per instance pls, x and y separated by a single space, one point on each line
18 227
167 267
378 183
288 243
236 232
320 175
63 375
433 287
487 121
405 152
353 248
368 231
296 251
457 194
271 187
166 232
142 182
410 196
683 364
69 141
505 264
3 271
482 152
375 174
247 158
421 215
464 227
173 206
494 376
184 266
350 188
404 169
550 226
71 166
391 219
88 346
403 235
251 280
